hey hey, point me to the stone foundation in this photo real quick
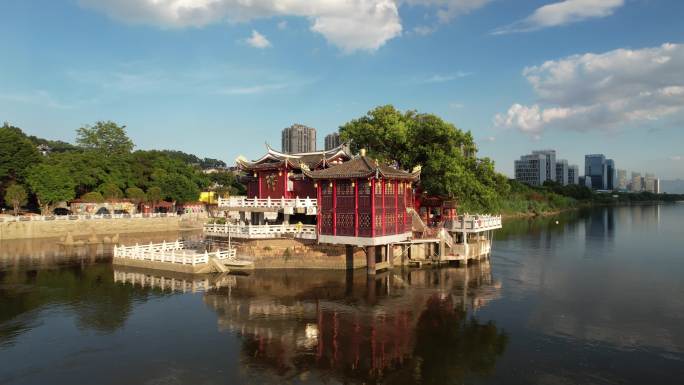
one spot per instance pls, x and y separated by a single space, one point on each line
297 254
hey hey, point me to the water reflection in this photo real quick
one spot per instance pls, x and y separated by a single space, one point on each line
400 327
44 253
97 303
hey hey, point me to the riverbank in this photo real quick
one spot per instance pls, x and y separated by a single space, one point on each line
32 229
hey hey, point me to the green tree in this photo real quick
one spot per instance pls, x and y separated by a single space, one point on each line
92 197
17 154
106 137
135 194
51 184
16 196
447 155
154 195
110 191
179 188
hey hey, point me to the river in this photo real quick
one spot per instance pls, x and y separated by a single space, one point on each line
590 297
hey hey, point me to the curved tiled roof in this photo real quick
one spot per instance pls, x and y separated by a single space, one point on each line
276 159
361 167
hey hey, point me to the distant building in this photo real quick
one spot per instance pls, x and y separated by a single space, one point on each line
657 186
637 184
44 149
550 162
298 138
573 174
650 182
601 171
531 169
622 180
332 141
611 182
585 181
562 172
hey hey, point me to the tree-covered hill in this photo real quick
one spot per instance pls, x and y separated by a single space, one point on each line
102 161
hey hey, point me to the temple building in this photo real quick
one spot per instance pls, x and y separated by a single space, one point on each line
363 202
335 198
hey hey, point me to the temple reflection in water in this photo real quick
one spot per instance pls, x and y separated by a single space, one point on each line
399 325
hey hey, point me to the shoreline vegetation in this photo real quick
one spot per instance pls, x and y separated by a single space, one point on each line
38 174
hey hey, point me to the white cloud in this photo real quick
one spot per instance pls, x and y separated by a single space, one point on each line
349 24
562 13
423 30
282 25
456 105
251 90
258 40
602 91
676 158
35 97
489 139
442 78
447 10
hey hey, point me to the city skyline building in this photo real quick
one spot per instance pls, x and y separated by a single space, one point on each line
562 172
622 180
601 171
550 162
531 169
332 140
573 174
637 183
298 138
611 175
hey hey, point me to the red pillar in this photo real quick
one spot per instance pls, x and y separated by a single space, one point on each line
356 208
259 176
383 208
285 193
396 207
372 195
319 202
334 203
403 213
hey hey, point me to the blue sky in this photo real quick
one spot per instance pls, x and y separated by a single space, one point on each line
219 78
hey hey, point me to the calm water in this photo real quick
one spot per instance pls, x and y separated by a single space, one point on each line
596 299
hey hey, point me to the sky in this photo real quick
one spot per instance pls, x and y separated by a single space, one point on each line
220 78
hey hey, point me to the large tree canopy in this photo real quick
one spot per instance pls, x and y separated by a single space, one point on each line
17 153
447 155
51 184
105 137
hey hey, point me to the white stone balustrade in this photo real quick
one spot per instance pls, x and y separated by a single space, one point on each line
238 202
261 231
172 252
81 217
474 223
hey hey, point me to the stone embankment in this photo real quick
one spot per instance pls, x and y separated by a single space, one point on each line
87 227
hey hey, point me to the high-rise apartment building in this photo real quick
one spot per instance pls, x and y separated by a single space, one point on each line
298 138
562 172
611 182
332 141
550 156
637 184
650 183
531 169
573 174
622 180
